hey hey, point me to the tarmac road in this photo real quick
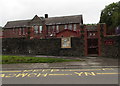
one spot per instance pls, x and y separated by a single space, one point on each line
61 76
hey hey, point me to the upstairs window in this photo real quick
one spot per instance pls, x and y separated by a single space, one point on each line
36 29
53 29
75 28
57 28
20 31
13 31
65 26
70 27
40 29
92 34
23 31
49 30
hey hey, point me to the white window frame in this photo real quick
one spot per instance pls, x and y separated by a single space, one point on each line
65 27
23 31
70 27
75 27
36 29
20 31
57 28
53 29
40 29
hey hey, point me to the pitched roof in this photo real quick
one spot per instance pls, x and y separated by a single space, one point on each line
64 20
21 23
48 21
25 23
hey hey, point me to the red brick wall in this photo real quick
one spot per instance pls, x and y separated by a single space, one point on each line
67 34
14 33
49 29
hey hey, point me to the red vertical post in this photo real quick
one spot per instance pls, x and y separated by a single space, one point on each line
44 31
99 40
31 32
85 39
105 30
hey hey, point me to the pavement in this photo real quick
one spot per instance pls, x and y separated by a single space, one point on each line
86 62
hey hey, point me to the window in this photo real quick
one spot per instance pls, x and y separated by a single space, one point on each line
70 27
23 31
57 28
20 31
40 29
75 28
65 26
49 30
90 34
94 34
36 29
13 30
53 28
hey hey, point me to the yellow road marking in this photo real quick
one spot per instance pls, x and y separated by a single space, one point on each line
22 74
49 74
59 74
45 74
43 70
91 73
10 75
107 73
89 69
32 75
85 73
2 75
39 75
9 71
79 74
55 70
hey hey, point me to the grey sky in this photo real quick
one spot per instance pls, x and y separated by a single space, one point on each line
11 10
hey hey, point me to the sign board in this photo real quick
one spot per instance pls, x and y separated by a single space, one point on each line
109 42
66 42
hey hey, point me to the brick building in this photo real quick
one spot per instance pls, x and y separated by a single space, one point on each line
24 28
42 27
58 27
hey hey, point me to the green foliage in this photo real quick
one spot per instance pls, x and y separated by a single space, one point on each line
111 15
7 59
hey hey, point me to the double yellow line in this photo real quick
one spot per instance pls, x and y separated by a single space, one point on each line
106 73
9 71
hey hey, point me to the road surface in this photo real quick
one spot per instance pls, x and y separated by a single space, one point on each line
61 76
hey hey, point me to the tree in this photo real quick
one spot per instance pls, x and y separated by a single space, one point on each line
111 16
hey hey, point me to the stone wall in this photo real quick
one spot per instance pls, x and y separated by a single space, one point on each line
111 50
42 47
53 47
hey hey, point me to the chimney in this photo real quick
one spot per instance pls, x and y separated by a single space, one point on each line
46 15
